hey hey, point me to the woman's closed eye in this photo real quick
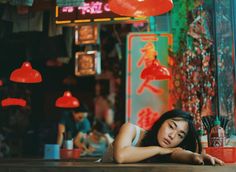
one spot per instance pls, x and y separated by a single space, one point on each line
181 136
171 126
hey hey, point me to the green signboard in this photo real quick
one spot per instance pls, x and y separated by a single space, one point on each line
147 77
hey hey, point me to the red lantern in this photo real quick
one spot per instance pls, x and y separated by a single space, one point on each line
13 102
155 72
67 101
140 8
26 74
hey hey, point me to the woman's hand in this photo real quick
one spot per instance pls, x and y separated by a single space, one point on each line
91 149
164 151
201 159
186 156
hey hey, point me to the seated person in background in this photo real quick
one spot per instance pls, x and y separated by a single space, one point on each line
172 138
76 123
98 139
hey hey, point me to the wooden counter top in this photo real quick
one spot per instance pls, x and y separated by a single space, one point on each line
88 165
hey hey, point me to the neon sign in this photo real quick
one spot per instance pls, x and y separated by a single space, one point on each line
146 117
67 9
147 75
94 8
90 11
153 70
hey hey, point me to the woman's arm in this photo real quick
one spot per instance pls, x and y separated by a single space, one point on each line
79 140
185 156
60 131
124 152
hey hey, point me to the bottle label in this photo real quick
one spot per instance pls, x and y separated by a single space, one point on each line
217 141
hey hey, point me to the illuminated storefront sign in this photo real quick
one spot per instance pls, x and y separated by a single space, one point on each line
147 77
90 11
94 8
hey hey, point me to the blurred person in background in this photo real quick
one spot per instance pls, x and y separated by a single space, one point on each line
98 139
75 123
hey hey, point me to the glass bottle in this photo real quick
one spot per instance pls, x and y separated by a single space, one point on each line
217 134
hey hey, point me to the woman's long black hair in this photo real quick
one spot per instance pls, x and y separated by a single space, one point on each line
191 141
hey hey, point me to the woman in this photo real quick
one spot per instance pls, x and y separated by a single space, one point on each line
76 123
172 138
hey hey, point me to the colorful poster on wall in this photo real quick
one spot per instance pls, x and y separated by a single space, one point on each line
147 77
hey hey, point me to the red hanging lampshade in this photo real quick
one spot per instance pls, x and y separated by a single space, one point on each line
67 101
140 8
155 72
26 74
13 102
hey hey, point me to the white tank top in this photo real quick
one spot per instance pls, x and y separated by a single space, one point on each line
136 138
108 155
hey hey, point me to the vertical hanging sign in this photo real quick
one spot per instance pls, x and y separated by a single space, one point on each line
147 77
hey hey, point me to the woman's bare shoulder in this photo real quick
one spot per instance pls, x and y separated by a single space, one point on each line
130 129
124 137
127 129
128 125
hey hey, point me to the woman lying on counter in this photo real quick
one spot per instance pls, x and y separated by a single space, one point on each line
172 138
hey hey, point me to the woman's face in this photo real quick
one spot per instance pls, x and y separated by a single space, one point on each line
79 116
172 132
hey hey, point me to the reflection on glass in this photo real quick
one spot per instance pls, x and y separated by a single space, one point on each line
225 65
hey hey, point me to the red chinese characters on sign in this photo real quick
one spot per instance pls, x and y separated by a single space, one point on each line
147 92
148 54
152 70
146 118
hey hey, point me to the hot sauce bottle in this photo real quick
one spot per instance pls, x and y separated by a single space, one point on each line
217 135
